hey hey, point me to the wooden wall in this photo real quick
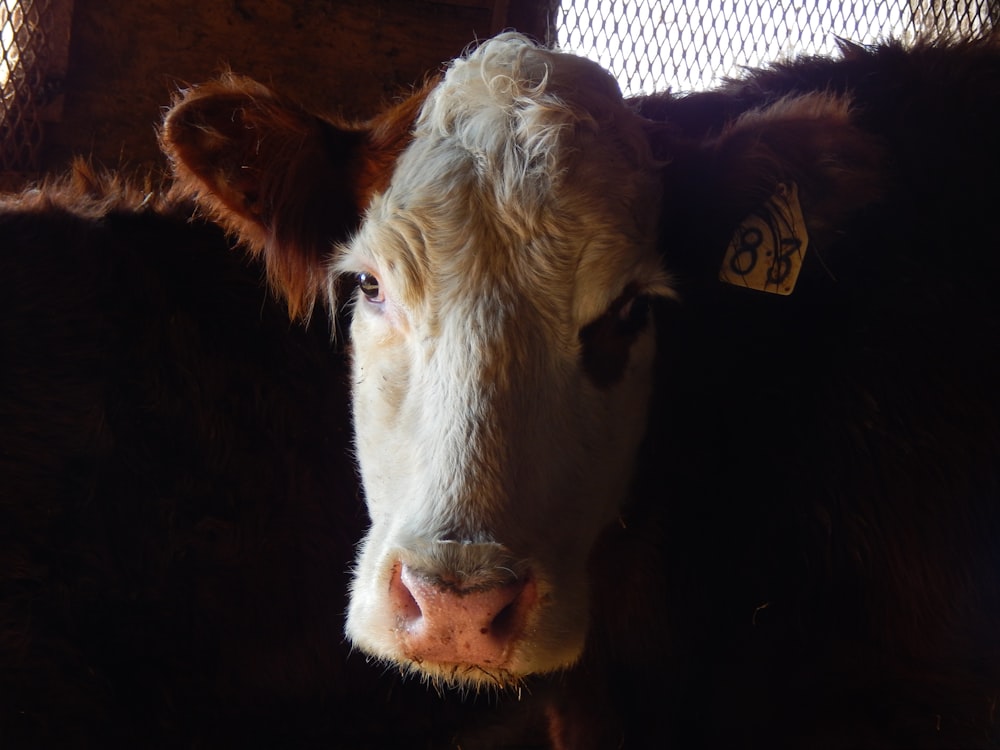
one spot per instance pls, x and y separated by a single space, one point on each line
344 56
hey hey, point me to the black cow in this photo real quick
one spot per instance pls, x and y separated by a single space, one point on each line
826 463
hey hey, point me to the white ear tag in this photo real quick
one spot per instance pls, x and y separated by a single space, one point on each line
767 249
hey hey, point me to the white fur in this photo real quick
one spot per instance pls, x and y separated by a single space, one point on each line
524 206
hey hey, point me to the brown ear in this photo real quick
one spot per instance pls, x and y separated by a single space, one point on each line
288 183
810 140
723 166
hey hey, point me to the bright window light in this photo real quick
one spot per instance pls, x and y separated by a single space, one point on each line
686 45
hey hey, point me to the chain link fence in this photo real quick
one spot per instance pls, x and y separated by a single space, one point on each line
650 45
688 45
23 43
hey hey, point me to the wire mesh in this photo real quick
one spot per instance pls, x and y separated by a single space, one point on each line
687 45
23 42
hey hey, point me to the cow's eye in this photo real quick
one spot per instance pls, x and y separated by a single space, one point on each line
633 315
369 286
606 341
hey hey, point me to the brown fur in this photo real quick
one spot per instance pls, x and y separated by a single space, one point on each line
287 183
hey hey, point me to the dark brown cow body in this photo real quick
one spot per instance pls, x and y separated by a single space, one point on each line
826 465
178 504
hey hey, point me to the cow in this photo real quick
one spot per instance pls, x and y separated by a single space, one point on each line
693 396
611 485
178 501
465 336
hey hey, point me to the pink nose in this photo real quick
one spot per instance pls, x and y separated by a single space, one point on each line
442 622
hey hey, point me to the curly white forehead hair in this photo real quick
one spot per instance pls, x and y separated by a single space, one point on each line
519 110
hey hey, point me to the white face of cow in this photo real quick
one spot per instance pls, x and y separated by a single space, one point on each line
502 347
502 359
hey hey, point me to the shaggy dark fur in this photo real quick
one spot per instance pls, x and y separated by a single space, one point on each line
826 465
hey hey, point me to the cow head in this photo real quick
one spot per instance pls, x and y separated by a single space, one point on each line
498 231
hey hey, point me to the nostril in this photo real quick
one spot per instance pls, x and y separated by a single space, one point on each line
404 603
507 621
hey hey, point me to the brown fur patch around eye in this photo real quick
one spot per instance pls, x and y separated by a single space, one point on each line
607 341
